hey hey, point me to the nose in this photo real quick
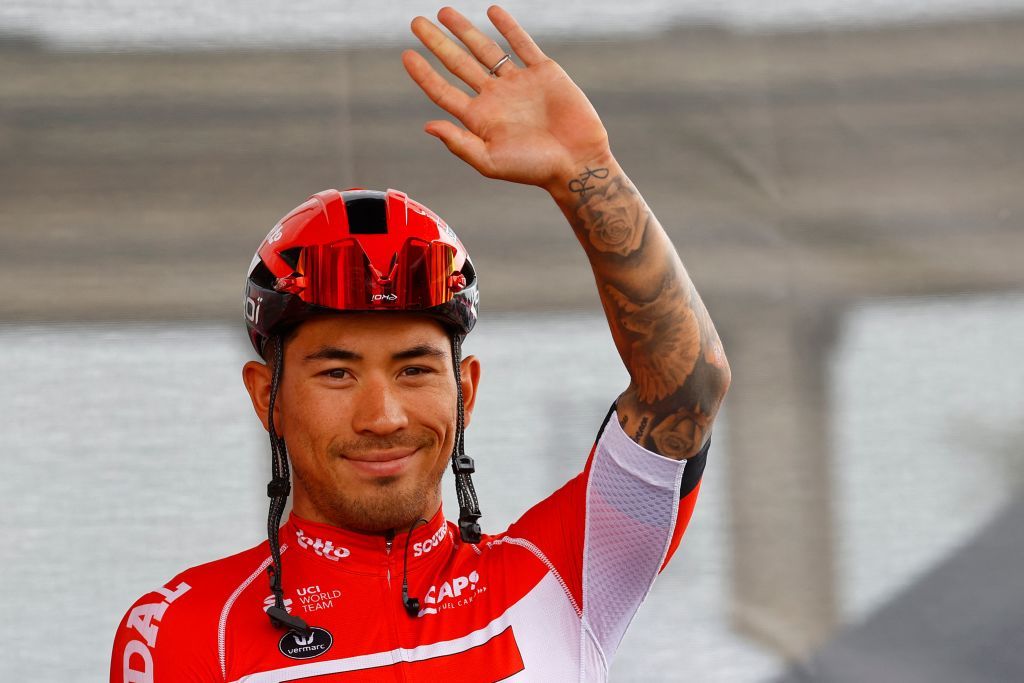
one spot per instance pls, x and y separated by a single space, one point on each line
379 409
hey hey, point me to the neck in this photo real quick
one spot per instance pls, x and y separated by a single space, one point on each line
304 507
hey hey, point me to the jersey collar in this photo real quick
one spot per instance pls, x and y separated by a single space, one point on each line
356 551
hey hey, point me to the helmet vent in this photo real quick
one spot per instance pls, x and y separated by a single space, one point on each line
262 276
291 256
367 216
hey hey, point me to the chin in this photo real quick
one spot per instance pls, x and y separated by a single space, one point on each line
387 505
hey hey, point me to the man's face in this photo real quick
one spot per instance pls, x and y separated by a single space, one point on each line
367 407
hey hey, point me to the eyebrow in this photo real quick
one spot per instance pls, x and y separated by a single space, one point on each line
337 353
332 353
419 351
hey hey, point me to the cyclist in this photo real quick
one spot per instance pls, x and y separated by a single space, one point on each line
358 302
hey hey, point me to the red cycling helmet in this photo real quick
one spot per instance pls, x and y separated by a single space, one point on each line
359 250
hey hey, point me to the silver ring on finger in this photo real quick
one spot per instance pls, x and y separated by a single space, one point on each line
493 70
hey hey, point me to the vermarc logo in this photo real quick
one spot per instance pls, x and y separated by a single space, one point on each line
297 646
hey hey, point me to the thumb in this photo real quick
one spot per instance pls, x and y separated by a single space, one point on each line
462 144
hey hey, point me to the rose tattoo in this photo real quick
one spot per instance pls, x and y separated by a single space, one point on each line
680 433
614 219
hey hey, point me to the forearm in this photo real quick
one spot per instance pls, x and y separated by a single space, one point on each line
678 370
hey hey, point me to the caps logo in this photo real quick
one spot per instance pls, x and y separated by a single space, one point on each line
459 592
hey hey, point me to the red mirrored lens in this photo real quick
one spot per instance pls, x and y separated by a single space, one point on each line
341 276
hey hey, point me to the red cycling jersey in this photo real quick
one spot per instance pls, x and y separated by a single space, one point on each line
548 600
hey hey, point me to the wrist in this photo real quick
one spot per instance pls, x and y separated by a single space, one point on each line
578 177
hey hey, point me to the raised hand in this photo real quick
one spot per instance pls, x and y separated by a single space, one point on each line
531 124
527 124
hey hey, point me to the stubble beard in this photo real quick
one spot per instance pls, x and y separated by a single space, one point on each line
391 503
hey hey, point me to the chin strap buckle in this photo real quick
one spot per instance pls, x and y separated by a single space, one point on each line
469 529
463 464
281 619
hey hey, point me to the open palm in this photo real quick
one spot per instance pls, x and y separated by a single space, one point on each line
528 124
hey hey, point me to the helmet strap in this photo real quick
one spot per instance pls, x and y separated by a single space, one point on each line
462 464
278 490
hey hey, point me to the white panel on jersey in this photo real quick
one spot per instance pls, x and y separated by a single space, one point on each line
632 502
544 623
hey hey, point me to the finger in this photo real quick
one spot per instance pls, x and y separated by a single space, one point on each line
518 39
483 48
440 91
462 144
457 60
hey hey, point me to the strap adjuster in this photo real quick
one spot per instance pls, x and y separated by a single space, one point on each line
463 464
278 487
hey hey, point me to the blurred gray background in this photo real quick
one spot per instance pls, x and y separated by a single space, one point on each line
843 181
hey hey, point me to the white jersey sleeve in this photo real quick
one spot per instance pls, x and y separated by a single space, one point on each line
632 525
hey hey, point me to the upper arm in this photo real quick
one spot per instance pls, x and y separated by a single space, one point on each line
611 530
163 638
636 515
678 426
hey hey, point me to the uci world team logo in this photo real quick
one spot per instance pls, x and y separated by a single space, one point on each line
298 646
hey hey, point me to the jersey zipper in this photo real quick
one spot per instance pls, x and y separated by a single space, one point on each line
389 540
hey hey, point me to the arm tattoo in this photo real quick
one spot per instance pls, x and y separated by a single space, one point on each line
580 185
614 216
640 430
681 422
660 325
664 339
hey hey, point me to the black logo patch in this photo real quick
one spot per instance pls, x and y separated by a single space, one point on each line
298 646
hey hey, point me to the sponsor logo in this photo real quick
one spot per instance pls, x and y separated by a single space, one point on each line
252 309
310 599
297 646
137 660
459 592
384 297
275 234
424 547
314 599
268 602
320 547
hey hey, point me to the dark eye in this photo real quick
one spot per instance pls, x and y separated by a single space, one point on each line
415 370
337 373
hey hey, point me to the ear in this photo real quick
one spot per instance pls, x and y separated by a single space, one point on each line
470 371
257 378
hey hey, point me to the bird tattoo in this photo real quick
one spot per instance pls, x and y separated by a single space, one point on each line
665 339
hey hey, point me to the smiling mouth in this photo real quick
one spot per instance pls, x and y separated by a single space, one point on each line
382 463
